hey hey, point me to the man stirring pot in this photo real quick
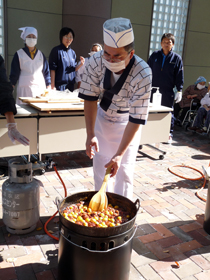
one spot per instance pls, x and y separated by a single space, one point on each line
121 82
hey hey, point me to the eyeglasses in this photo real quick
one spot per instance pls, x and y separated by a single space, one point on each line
68 38
119 59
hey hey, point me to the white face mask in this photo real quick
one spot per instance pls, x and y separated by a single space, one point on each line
91 53
114 66
31 42
199 86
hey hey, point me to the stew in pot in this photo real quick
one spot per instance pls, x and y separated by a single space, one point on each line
82 215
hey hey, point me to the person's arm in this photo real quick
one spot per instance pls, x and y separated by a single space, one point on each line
128 136
13 133
179 75
15 70
79 65
90 110
150 60
52 74
46 72
10 117
186 93
53 65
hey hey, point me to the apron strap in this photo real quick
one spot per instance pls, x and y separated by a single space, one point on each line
109 92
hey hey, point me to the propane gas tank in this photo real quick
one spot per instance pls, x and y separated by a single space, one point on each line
20 198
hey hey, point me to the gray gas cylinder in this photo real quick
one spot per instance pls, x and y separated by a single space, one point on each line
20 198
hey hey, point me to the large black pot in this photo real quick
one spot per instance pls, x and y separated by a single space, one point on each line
114 199
109 259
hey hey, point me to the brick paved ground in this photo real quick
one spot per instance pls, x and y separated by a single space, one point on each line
169 243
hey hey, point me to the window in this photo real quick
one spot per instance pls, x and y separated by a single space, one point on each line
169 16
2 27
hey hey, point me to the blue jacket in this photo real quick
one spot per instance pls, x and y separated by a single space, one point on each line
168 76
63 61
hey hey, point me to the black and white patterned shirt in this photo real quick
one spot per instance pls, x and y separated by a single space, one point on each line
134 95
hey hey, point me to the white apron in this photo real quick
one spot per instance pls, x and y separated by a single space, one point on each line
109 131
31 81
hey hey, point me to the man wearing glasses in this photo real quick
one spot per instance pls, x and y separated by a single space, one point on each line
116 87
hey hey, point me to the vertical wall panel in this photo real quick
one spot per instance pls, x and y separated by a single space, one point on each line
140 14
86 18
45 15
197 43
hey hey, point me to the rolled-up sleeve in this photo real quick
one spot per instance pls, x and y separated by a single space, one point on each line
15 70
90 86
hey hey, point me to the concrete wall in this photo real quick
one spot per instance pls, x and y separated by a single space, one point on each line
44 15
140 13
86 18
197 44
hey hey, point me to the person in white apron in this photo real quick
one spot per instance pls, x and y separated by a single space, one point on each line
121 82
29 67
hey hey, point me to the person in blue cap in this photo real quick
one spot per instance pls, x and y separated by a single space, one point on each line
167 73
194 92
121 82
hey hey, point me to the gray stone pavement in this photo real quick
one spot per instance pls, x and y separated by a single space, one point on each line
169 243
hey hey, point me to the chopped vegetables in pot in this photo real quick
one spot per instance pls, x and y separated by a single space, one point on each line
82 215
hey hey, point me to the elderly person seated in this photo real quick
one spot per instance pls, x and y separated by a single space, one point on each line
203 112
196 92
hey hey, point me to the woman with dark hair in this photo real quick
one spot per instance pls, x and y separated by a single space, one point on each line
62 62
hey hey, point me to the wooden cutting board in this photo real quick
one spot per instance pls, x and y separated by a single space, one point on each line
49 107
49 100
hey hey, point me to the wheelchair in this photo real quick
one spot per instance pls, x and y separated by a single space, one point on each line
191 114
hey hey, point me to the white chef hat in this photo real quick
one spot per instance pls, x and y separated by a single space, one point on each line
118 32
26 31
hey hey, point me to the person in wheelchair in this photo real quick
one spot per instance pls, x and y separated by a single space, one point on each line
190 99
202 120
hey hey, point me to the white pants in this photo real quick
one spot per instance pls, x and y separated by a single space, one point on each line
109 132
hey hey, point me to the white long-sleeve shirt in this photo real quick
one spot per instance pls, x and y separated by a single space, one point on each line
205 100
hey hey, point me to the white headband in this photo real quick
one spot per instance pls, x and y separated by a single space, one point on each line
26 31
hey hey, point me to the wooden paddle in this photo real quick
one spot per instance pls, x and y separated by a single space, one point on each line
99 201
